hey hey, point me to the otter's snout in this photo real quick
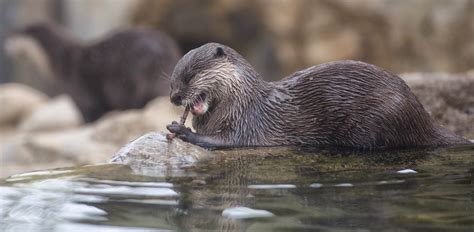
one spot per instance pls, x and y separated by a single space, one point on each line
176 99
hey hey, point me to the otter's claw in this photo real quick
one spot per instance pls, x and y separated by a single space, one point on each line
181 131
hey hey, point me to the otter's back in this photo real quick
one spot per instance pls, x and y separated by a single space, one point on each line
350 103
125 71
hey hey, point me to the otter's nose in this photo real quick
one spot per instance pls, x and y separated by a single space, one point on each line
176 99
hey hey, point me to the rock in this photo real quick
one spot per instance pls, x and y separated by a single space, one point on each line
447 97
160 112
17 101
27 151
152 154
76 145
118 128
59 113
41 144
91 24
6 132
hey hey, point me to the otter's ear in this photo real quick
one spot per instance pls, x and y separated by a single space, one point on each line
219 52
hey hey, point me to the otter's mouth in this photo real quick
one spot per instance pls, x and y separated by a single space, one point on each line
199 105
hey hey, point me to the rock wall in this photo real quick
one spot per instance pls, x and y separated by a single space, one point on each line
280 37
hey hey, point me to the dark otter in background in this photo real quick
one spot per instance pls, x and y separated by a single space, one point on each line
123 71
342 103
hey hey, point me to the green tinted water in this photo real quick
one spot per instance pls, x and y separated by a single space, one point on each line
266 189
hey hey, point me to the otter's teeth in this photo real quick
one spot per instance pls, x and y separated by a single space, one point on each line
199 106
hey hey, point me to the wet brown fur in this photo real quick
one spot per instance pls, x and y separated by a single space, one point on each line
122 71
341 103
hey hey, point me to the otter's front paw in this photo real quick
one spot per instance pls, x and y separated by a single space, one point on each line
181 131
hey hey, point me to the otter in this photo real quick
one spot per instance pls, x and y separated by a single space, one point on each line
337 104
122 71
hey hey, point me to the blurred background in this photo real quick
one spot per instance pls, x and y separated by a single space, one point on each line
430 43
278 36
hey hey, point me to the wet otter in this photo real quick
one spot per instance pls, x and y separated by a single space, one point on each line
123 71
343 103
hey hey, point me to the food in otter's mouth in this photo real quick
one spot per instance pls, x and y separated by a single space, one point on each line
199 105
181 121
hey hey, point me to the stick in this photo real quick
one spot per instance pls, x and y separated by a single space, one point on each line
185 115
171 136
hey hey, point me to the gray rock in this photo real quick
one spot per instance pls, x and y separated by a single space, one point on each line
119 128
58 114
160 112
153 155
26 151
17 101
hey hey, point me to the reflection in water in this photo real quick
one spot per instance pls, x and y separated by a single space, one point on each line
406 171
25 209
77 227
269 189
271 186
245 213
316 185
344 185
126 191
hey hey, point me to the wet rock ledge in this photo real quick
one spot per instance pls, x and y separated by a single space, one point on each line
152 154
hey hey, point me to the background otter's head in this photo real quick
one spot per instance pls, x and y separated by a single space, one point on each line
25 46
204 77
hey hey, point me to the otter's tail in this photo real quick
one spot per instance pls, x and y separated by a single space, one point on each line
446 137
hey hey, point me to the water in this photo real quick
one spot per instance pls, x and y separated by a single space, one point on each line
266 189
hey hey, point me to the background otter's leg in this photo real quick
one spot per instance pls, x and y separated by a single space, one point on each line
91 108
187 135
90 104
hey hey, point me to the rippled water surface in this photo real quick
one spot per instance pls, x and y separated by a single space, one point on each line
265 189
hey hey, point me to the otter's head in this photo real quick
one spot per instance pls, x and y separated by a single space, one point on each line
26 44
201 79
